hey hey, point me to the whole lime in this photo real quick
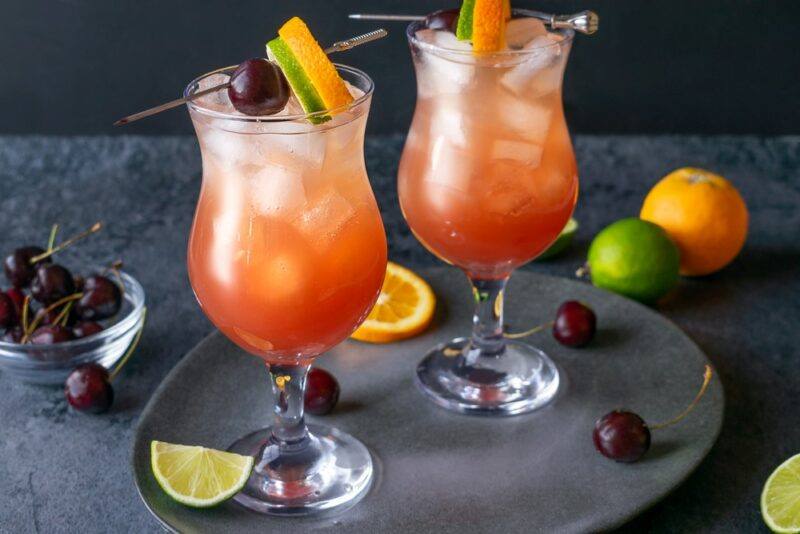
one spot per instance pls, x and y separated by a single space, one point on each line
634 258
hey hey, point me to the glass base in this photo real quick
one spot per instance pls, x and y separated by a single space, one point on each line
520 379
329 470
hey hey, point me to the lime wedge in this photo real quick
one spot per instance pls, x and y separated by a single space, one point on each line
780 500
196 476
304 90
561 243
464 28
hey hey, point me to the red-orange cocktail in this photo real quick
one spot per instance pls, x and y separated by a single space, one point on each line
487 181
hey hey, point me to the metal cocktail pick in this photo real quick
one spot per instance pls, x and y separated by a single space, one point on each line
585 22
338 46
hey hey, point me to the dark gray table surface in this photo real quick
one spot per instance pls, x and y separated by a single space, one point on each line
65 472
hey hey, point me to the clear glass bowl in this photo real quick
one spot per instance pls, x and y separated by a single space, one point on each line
50 364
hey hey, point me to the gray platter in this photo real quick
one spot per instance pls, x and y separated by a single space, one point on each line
439 471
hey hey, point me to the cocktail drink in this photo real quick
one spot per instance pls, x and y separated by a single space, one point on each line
487 181
286 257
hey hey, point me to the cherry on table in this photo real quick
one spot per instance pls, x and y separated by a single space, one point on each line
575 324
51 333
322 392
258 87
622 436
86 328
18 267
446 19
51 283
8 311
101 299
88 388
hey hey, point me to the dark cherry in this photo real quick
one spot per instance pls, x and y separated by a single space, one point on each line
88 389
258 87
18 267
622 436
18 298
79 282
13 335
101 299
86 328
49 334
8 312
322 392
575 324
446 19
51 283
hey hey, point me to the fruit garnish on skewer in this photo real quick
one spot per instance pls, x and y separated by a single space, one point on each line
309 71
484 23
257 86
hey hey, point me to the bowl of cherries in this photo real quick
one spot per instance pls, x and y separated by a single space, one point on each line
52 321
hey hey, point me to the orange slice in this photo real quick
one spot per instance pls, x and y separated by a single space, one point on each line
484 23
315 63
404 308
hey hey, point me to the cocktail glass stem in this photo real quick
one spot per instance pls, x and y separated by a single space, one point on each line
288 389
487 322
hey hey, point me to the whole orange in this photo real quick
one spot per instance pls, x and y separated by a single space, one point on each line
703 213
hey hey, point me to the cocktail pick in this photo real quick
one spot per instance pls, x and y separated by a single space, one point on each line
585 22
338 46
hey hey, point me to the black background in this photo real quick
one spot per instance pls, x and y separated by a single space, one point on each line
679 66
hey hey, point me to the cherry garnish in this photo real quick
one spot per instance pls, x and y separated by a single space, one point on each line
88 388
322 392
18 267
622 436
51 333
13 335
8 312
575 324
51 283
446 19
101 299
258 87
86 328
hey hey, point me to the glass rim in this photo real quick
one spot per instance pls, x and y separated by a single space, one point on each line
370 88
412 29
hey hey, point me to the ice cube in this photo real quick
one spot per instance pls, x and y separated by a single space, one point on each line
226 230
526 153
324 219
450 165
276 189
525 117
227 149
218 100
522 31
543 65
448 121
508 190
446 70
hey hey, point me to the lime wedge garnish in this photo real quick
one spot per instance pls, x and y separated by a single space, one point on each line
562 241
196 476
780 500
464 28
308 97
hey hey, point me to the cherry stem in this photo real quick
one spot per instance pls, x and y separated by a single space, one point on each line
527 333
26 305
64 244
131 349
706 379
35 324
52 240
582 271
115 268
63 316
